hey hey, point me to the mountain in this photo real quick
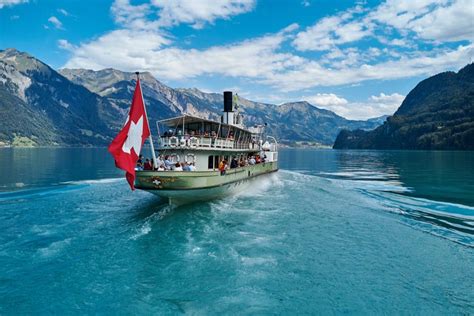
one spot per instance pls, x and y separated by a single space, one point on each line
77 107
290 122
41 107
437 114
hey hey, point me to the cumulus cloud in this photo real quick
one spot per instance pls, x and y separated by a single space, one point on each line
197 13
6 3
326 99
147 51
434 20
374 106
166 13
55 22
331 31
142 44
312 73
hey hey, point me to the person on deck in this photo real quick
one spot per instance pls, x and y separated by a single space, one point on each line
222 167
234 163
186 167
168 163
178 167
148 165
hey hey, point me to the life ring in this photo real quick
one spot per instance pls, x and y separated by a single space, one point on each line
173 142
193 142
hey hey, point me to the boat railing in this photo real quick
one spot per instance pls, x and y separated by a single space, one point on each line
204 143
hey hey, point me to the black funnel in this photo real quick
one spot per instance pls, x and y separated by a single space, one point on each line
228 101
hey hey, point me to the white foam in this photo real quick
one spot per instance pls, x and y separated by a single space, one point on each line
142 231
96 181
146 227
54 248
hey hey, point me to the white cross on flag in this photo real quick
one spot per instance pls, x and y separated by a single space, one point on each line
127 144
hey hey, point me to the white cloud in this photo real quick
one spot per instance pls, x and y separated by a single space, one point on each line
63 12
441 20
131 16
432 20
6 3
311 73
333 30
64 44
143 45
254 58
305 3
55 22
375 106
197 13
325 99
157 14
121 49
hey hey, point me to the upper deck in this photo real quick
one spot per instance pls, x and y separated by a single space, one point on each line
191 132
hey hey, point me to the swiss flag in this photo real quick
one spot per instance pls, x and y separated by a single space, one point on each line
127 144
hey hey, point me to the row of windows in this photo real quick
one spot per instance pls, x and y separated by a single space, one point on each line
213 161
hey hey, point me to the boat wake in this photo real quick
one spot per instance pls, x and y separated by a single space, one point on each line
447 220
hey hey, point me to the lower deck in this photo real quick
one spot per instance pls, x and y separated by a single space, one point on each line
194 180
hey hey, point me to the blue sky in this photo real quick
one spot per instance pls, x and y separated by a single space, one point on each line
358 59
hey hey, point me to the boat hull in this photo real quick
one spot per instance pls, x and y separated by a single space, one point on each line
185 187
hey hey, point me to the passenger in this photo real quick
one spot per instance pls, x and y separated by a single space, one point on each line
168 163
252 160
186 167
159 160
222 167
177 167
148 165
192 167
139 165
257 159
161 167
234 163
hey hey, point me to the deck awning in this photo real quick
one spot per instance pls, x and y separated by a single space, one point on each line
189 119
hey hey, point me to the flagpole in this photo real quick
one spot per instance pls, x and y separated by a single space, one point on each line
153 155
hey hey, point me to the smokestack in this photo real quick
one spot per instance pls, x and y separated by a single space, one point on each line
228 101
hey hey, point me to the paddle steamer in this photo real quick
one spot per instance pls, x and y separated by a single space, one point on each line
206 145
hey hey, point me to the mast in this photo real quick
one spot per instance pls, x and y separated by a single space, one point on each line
153 155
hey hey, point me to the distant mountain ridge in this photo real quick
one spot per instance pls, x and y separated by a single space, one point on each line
290 122
437 114
78 107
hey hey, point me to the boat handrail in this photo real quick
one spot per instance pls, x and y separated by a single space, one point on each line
205 142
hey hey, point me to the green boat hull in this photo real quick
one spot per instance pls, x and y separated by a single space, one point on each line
182 187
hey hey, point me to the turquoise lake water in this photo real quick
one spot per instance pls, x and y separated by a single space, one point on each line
333 232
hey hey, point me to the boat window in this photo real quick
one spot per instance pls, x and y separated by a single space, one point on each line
209 162
216 161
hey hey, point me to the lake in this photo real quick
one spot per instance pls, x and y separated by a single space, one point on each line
333 232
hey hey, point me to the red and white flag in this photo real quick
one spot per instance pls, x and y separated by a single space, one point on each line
127 144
